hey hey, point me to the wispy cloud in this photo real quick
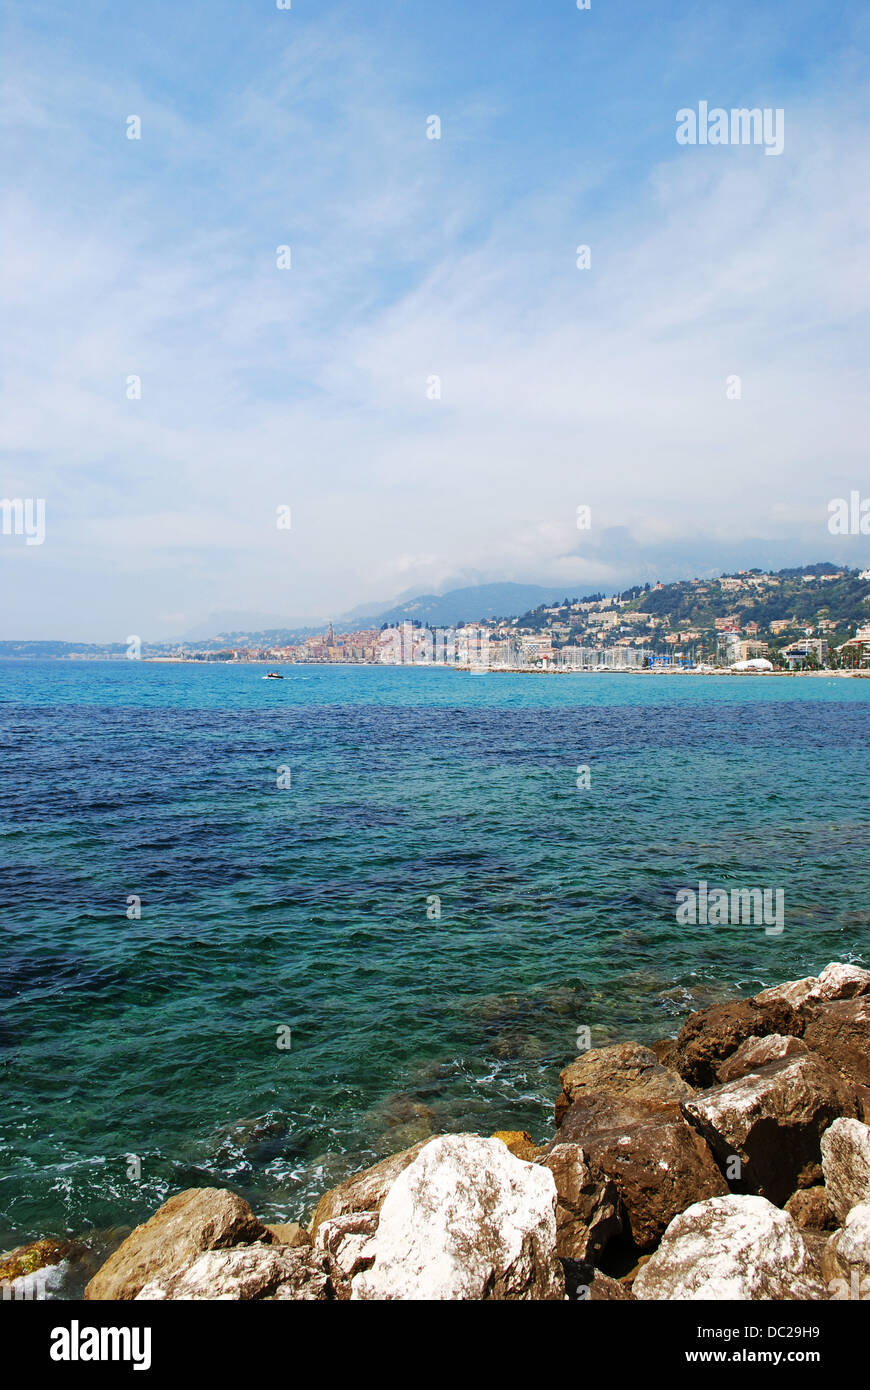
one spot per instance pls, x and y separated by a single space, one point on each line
412 259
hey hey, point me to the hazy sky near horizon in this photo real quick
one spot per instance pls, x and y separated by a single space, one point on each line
412 258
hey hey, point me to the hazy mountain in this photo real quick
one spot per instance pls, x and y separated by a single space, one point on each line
465 605
472 604
237 620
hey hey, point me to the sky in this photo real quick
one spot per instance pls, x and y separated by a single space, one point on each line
432 387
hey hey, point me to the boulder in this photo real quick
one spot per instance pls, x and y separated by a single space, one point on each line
194 1221
349 1240
519 1142
773 1121
466 1220
708 1037
364 1191
588 1206
810 1209
792 992
657 1161
755 1053
846 1165
248 1272
846 1259
840 1032
838 981
730 1248
625 1070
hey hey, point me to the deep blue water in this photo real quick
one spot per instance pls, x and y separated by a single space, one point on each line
307 907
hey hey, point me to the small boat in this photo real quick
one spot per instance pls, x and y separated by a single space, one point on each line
273 676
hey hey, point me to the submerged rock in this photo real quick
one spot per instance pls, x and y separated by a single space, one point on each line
846 1165
730 1247
772 1120
658 1162
466 1220
200 1219
38 1254
405 1117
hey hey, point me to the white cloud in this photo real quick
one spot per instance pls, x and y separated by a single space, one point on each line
308 387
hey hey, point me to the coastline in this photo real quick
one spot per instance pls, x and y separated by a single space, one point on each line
750 1125
853 674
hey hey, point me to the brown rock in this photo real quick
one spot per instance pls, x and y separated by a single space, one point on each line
588 1206
519 1142
665 1049
708 1037
660 1165
291 1234
200 1219
364 1191
772 1120
840 1032
625 1070
809 1209
755 1053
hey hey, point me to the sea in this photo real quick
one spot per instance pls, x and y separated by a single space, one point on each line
259 934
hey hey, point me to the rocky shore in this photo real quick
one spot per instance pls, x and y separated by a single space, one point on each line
730 1162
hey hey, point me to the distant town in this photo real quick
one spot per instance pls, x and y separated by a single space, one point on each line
811 619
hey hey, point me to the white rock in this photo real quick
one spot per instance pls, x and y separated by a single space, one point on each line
247 1272
846 1165
854 1243
792 992
838 981
729 1247
349 1239
846 1258
466 1220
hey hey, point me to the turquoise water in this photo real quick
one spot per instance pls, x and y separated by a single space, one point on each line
306 907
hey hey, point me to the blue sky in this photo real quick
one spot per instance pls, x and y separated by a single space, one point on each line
413 258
